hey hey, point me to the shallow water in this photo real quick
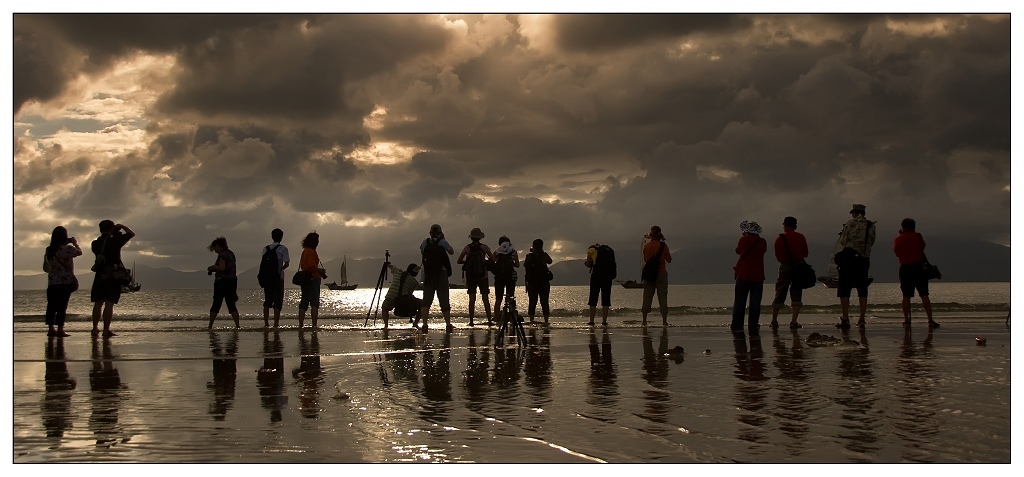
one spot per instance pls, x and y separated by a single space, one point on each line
571 395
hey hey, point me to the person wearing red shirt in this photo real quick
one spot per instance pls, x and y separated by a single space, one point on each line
749 276
790 249
909 249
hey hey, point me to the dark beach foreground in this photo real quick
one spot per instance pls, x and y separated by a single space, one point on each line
572 395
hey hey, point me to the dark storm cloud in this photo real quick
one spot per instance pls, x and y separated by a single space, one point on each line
108 193
596 33
434 177
51 168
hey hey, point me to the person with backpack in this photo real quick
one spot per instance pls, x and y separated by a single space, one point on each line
437 267
655 274
274 261
601 262
538 279
856 240
225 283
59 265
506 261
749 273
475 259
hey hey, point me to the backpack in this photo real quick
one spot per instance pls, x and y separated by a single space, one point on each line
536 269
475 266
503 267
604 265
434 258
269 273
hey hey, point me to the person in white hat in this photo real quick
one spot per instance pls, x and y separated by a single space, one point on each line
749 277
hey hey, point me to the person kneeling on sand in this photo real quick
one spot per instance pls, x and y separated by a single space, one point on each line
399 296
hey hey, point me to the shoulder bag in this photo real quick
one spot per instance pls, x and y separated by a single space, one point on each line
801 274
650 270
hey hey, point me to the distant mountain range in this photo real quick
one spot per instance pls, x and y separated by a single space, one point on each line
960 261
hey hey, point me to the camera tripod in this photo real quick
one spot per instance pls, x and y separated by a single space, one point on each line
510 318
377 295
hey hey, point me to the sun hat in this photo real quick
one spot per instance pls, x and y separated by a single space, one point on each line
655 233
858 209
476 233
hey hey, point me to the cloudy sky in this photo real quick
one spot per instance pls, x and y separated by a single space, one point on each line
572 128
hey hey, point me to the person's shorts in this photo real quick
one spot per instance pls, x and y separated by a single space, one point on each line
273 296
482 283
436 285
911 278
504 287
105 289
602 288
853 278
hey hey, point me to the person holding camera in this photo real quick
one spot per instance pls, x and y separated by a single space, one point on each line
657 254
538 279
790 249
909 249
59 265
399 296
225 283
437 267
310 262
106 289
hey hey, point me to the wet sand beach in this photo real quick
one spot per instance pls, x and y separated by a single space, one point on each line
572 395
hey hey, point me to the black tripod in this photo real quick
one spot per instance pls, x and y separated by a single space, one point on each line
377 295
511 321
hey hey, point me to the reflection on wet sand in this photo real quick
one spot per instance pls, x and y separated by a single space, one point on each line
270 377
657 400
604 389
857 398
437 383
795 395
106 396
477 377
538 367
916 422
751 388
225 373
56 405
309 375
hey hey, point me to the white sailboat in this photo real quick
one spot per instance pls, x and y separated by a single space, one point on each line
343 276
134 286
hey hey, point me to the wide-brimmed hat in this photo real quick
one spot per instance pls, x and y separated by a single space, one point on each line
789 222
476 233
655 233
750 227
858 209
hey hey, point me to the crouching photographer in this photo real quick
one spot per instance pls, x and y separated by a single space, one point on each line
399 296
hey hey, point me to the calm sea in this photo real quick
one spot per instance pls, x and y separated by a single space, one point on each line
696 305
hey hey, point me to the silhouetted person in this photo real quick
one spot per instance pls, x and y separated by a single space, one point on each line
858 235
225 372
538 279
506 261
273 294
475 259
601 262
790 249
656 251
59 265
909 248
106 290
749 276
225 283
403 283
310 262
437 268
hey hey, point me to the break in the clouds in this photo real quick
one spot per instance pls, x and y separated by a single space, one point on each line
572 128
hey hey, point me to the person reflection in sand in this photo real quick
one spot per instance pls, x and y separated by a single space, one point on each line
915 421
857 398
538 365
476 377
795 394
309 375
437 382
56 405
270 377
602 382
106 396
655 373
751 390
224 374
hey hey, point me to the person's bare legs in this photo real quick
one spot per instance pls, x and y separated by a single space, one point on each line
266 317
604 315
108 316
234 314
277 316
472 308
775 315
906 310
424 313
385 314
927 304
487 309
593 313
863 309
97 309
796 313
844 305
302 316
313 312
213 316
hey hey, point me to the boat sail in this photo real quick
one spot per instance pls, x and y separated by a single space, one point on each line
134 286
343 276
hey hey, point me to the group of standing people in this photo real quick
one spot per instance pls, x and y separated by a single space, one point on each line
477 260
853 259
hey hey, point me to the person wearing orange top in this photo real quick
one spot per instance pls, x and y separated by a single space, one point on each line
656 249
310 262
